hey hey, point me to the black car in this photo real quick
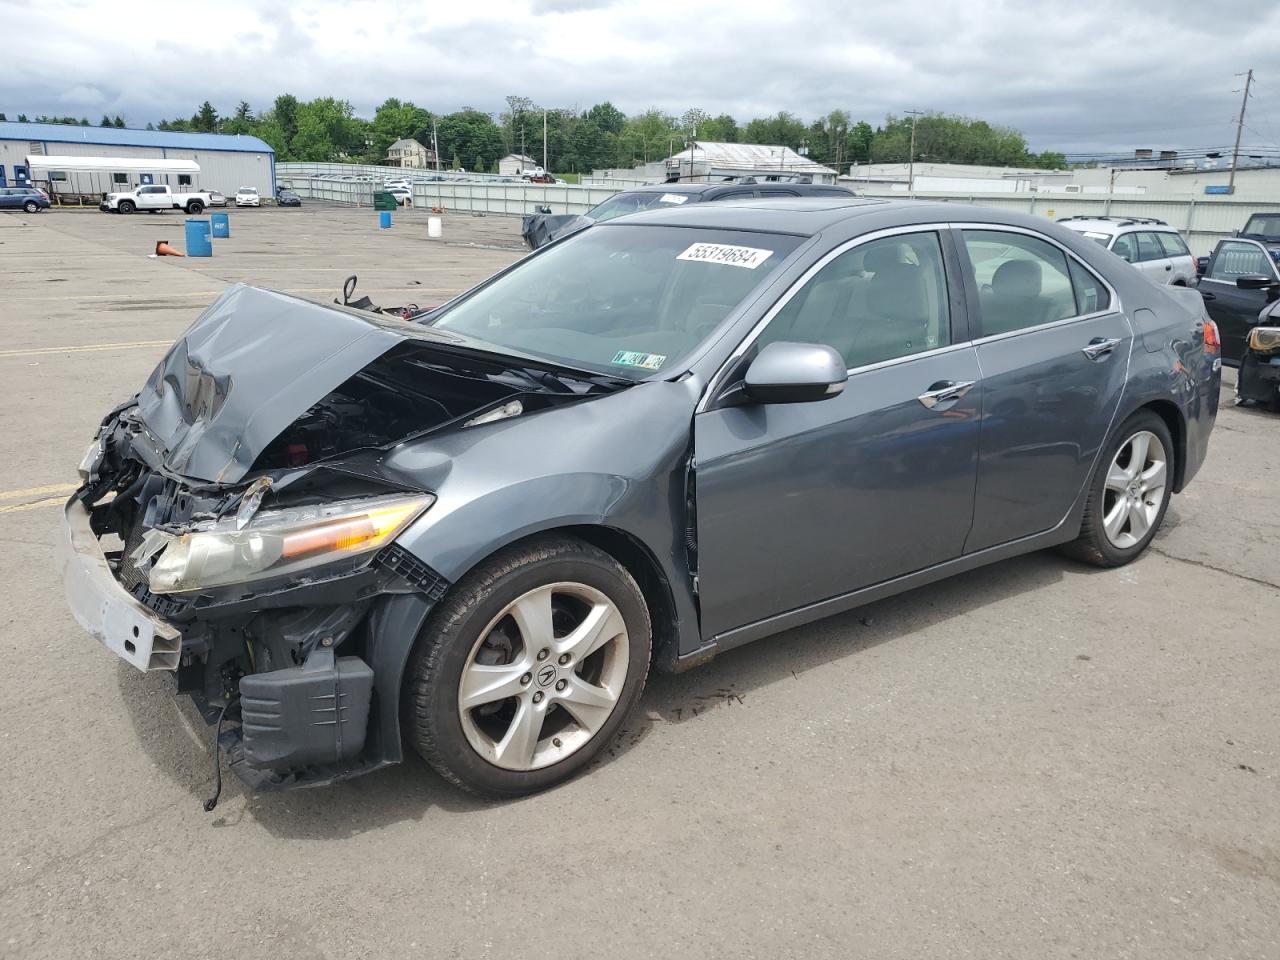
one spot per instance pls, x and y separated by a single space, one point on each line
287 198
540 229
1240 280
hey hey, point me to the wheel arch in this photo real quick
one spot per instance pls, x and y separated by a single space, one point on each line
1176 421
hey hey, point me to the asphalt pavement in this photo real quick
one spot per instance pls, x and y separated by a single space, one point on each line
1033 760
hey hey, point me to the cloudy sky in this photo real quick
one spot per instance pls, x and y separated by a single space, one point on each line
1073 75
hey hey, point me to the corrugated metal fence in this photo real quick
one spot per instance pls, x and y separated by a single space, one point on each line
1202 220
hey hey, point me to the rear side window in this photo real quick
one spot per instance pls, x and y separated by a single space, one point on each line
1238 258
1149 247
878 301
1173 245
1022 281
1126 247
1091 295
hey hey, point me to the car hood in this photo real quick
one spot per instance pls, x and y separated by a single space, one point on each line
250 366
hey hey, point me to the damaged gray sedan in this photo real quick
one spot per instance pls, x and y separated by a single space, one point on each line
474 531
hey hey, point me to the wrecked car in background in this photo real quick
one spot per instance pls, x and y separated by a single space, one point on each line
539 229
474 531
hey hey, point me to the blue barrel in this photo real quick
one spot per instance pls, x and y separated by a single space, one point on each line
199 243
221 225
384 219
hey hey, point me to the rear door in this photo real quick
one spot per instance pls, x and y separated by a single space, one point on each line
1235 311
799 503
1182 264
1153 260
1054 352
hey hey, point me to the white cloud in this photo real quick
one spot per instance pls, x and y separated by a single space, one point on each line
1090 75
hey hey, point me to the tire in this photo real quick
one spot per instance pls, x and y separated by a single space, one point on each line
31 206
471 637
125 206
195 206
1133 501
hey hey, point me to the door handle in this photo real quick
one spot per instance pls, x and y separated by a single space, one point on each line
1099 348
944 393
1208 296
1168 266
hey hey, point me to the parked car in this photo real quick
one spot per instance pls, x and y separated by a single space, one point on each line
287 198
1240 281
1258 380
154 198
539 229
1264 227
28 199
1152 246
403 195
666 436
248 197
217 199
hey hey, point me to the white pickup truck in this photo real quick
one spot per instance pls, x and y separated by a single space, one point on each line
154 198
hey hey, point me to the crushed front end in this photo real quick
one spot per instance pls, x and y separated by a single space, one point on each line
260 612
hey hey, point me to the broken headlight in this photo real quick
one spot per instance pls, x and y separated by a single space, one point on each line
277 542
1264 340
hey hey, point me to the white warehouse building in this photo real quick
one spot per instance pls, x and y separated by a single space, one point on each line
74 160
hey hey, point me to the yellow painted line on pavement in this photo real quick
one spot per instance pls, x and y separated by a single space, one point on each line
85 348
47 489
19 507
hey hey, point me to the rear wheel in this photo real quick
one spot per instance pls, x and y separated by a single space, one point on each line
195 206
528 668
31 206
1129 493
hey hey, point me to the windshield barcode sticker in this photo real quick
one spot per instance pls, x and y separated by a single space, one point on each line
673 198
748 257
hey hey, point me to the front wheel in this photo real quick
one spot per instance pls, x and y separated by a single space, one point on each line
126 206
1128 494
31 206
529 667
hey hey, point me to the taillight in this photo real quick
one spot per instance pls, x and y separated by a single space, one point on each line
1212 341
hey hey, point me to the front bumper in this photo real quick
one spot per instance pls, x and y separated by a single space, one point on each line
1258 378
103 607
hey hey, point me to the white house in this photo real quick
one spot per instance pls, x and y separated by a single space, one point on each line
409 153
515 164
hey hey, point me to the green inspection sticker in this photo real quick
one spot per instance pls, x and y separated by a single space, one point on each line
646 361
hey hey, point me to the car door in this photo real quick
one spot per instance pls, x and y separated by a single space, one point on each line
1053 347
1235 311
148 199
7 199
799 503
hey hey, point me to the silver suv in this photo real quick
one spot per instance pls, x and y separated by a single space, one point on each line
1152 246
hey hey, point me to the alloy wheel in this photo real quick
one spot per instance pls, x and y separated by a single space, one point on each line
1134 489
544 676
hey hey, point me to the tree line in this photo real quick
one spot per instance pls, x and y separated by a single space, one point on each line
328 129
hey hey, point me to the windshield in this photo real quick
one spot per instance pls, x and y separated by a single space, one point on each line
1266 226
627 301
625 203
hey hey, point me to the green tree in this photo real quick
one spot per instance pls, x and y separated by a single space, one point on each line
394 121
106 121
205 119
782 129
285 113
22 118
118 122
650 136
328 130
471 133
607 118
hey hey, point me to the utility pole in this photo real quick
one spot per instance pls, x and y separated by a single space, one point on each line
911 153
1235 152
544 142
435 143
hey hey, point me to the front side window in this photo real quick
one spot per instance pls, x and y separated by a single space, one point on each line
623 300
878 301
1149 247
1022 281
1239 258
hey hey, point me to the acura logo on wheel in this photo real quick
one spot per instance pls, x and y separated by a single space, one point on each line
546 676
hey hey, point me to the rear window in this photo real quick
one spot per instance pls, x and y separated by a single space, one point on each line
624 203
1263 225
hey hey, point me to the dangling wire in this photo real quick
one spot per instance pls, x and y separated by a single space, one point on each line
217 754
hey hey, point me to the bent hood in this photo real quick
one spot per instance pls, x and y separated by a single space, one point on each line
251 365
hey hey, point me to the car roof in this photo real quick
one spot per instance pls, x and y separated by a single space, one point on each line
715 186
808 216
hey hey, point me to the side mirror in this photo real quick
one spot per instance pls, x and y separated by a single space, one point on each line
1254 281
795 373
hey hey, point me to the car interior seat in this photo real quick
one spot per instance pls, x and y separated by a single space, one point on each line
1014 300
